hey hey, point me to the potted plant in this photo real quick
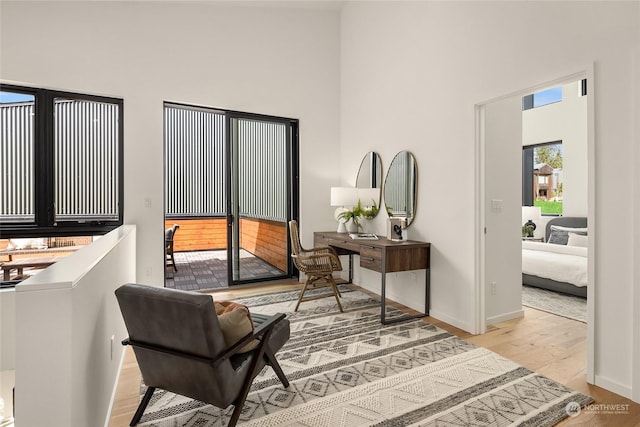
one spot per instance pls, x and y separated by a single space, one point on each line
527 231
369 212
352 217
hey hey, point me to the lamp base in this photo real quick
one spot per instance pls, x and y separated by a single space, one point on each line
341 227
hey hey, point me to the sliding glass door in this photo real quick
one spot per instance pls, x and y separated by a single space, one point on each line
259 203
232 187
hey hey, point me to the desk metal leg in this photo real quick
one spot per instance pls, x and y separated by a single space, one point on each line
383 305
427 290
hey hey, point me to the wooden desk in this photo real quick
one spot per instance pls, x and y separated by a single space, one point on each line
383 256
21 264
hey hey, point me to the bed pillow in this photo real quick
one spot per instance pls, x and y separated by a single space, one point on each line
576 239
560 235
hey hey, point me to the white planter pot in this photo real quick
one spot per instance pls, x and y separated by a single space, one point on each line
352 227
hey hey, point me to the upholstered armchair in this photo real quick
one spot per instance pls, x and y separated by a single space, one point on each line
180 347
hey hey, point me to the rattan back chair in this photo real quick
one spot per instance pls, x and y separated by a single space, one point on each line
318 264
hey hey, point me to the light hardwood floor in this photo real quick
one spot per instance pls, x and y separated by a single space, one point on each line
551 345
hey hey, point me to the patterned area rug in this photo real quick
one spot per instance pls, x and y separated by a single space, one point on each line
348 370
564 305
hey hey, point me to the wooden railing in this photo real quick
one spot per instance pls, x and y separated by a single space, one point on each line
265 239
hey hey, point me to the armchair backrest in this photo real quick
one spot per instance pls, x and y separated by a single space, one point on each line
296 247
183 322
169 235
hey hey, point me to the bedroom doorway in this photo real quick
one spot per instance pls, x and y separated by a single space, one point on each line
554 199
500 122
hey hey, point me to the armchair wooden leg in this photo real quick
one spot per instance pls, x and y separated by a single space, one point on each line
273 362
304 289
142 406
253 371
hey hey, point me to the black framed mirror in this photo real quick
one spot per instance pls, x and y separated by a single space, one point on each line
369 183
400 187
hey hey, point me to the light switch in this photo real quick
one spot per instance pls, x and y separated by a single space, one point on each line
496 205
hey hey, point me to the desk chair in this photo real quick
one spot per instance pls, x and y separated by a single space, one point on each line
318 264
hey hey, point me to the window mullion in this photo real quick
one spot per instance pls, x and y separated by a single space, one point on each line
43 152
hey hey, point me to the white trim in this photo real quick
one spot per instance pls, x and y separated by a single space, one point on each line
112 400
635 345
480 323
613 386
505 317
450 320
591 215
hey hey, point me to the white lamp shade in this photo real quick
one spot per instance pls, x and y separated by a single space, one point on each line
369 196
344 196
533 213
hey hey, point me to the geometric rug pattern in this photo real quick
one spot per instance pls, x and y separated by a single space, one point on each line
347 370
569 306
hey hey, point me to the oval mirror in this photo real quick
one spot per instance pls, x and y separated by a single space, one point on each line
369 183
400 187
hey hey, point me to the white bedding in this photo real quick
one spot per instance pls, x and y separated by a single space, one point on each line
557 262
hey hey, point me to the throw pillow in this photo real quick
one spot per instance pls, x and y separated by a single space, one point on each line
235 324
560 235
576 239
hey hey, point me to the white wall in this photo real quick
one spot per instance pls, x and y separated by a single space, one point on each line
411 75
278 61
67 363
564 121
502 211
7 329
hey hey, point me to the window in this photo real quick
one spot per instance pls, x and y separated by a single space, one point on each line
542 183
544 97
61 157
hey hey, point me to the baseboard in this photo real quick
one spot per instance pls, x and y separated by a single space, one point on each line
504 317
115 388
451 321
613 386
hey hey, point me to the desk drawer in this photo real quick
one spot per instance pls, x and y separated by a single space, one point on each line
371 258
338 244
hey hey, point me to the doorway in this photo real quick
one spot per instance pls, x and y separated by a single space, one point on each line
498 259
231 187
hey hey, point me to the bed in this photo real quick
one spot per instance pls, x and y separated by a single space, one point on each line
560 266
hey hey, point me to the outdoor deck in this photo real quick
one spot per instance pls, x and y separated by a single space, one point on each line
202 270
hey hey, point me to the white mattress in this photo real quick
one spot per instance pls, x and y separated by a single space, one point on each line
557 262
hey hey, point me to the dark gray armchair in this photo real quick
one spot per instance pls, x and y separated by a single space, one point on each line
180 348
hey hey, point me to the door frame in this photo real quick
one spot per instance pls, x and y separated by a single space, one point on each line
479 317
